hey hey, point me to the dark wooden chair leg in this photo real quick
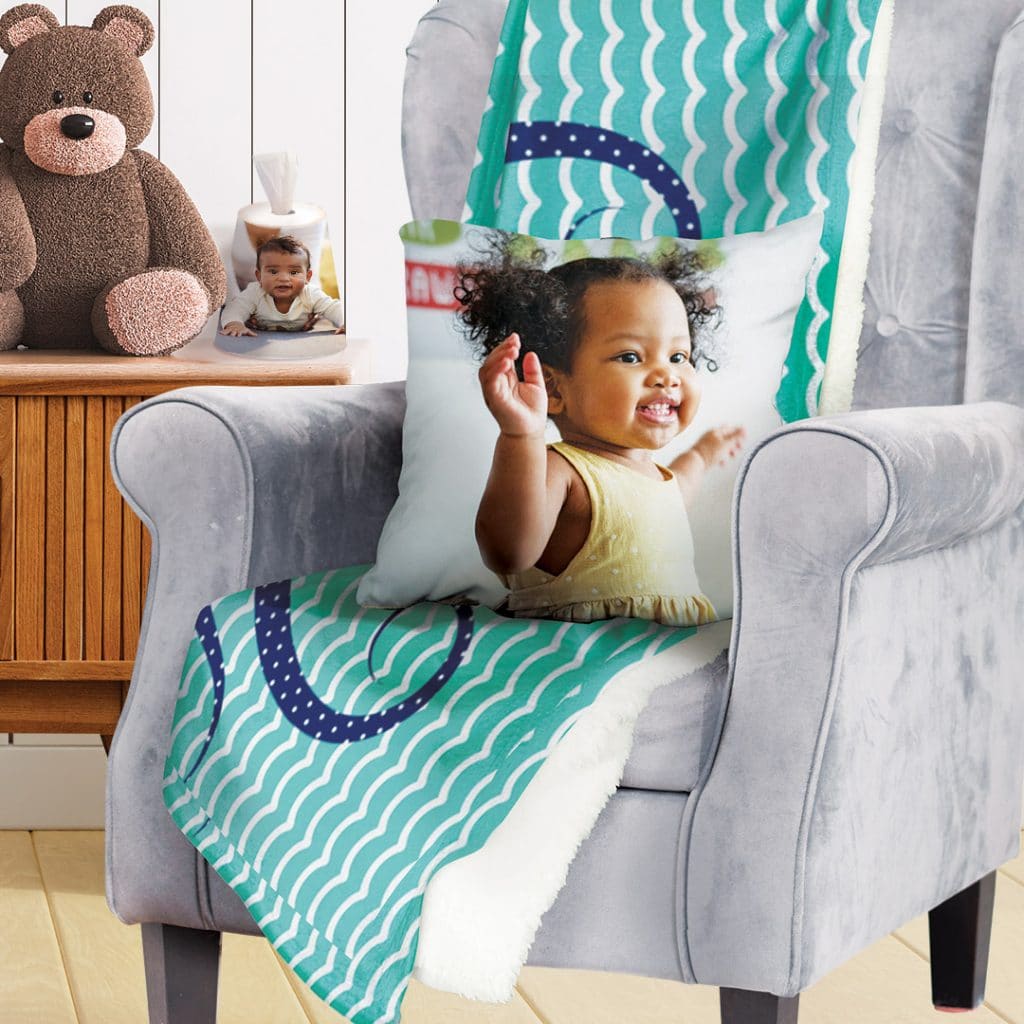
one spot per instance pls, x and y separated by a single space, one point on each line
958 934
181 974
742 1007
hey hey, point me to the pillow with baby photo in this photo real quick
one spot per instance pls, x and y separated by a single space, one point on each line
576 416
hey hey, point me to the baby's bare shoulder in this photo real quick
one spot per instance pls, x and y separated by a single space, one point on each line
565 480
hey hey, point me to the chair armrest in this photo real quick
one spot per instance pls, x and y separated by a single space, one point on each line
871 750
237 486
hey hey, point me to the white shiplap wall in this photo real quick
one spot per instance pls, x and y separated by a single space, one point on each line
230 78
378 204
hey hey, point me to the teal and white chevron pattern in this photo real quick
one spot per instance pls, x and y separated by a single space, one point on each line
718 117
330 841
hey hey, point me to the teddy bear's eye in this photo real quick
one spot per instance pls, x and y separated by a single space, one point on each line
58 96
87 97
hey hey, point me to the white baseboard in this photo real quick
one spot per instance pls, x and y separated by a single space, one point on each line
51 787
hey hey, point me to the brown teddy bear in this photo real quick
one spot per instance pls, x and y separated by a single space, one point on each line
99 244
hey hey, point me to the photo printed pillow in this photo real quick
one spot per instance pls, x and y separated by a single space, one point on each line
725 396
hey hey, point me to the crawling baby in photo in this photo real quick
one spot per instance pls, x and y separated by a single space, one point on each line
281 298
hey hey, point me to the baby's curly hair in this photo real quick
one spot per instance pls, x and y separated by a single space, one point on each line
508 290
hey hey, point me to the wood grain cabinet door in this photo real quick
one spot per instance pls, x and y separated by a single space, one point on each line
6 528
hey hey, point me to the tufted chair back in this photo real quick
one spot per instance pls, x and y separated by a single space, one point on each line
943 304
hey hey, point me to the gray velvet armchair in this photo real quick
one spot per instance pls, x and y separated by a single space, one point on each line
857 759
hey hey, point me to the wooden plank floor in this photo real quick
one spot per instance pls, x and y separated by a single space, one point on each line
65 959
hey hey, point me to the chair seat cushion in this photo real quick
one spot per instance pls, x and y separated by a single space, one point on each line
674 732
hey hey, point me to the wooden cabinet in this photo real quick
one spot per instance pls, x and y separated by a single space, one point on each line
74 559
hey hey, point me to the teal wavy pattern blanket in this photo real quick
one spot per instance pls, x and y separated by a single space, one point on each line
690 118
328 759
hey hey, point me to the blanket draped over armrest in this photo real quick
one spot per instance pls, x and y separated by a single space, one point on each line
329 759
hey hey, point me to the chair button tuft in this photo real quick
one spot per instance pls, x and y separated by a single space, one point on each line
905 121
887 325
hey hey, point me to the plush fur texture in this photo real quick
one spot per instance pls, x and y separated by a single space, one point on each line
81 216
153 311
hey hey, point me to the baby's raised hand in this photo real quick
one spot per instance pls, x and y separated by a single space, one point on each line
236 328
519 406
720 445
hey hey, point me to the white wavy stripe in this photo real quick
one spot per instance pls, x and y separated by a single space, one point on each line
408 635
396 881
779 92
531 90
420 782
393 959
405 686
232 663
196 819
242 767
307 951
225 859
242 876
655 204
325 623
196 711
353 774
572 36
697 146
612 199
821 91
400 843
820 316
317 594
458 844
224 751
185 797
246 608
325 968
192 669
655 90
531 197
257 784
261 891
287 825
271 915
293 930
738 91
861 35
452 744
612 84
635 640
201 738
573 200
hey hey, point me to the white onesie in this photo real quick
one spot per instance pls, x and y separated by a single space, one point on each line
254 301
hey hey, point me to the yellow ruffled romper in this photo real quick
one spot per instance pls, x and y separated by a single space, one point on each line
637 560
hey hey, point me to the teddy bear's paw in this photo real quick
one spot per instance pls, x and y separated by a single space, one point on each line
156 311
12 320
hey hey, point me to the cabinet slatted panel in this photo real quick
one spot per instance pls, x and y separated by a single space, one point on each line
7 448
74 527
72 570
74 558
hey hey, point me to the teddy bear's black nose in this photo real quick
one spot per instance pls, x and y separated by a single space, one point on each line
77 126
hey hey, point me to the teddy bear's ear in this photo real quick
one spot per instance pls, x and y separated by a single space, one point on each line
23 22
128 25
